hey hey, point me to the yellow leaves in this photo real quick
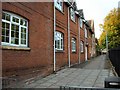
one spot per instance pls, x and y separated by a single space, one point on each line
112 26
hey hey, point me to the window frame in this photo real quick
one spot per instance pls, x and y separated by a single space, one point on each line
58 5
86 32
81 46
72 14
73 41
59 44
81 23
11 22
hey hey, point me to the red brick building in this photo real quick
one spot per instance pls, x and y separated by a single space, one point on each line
42 37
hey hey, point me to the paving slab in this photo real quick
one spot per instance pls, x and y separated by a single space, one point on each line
90 74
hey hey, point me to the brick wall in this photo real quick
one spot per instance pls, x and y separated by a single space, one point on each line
74 34
61 26
82 38
40 34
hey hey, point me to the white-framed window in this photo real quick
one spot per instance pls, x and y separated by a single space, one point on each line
73 45
81 46
72 14
14 30
81 22
86 34
59 4
58 40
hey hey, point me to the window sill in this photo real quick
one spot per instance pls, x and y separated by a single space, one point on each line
15 48
59 51
82 52
74 52
73 21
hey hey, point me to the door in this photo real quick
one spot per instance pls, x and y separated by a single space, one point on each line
86 54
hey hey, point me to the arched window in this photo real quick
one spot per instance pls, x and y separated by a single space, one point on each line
82 46
72 14
14 30
59 5
81 22
58 40
73 45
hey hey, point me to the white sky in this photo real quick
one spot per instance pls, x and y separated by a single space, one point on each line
96 10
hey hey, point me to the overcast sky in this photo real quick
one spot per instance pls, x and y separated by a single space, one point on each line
96 10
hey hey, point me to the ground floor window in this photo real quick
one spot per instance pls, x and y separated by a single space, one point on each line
73 45
14 30
58 40
82 46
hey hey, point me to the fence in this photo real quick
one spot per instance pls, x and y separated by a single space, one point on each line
114 55
84 88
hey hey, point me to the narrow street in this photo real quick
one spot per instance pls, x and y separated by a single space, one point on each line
89 74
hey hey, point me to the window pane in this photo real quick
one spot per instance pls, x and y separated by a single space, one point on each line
7 25
55 44
14 19
23 22
23 36
23 41
3 24
12 40
8 17
17 34
12 27
59 4
23 30
61 43
17 28
3 16
3 31
7 32
58 44
12 33
3 38
16 41
7 39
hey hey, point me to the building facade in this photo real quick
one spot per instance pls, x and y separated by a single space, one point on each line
43 37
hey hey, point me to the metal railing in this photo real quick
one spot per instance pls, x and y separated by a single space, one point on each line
114 56
84 88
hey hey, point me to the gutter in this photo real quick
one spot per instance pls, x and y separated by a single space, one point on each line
54 69
79 39
69 36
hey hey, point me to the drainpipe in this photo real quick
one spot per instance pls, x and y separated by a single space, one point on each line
54 38
69 35
79 39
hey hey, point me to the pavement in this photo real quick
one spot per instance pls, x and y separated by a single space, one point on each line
92 73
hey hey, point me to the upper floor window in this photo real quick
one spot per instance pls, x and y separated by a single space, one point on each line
58 40
59 4
73 45
86 33
81 46
14 30
81 23
72 14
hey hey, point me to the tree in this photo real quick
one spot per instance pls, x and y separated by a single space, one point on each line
112 27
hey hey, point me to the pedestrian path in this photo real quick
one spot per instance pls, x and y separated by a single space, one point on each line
90 74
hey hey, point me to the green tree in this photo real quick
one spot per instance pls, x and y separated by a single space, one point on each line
112 27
